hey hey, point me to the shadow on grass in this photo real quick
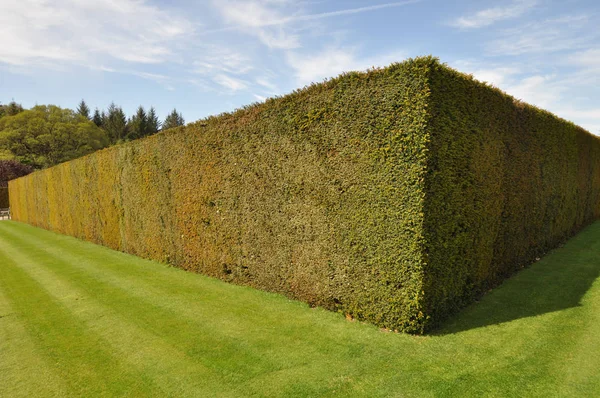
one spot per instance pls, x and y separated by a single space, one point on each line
556 282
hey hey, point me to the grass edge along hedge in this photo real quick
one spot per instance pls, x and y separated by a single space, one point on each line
385 195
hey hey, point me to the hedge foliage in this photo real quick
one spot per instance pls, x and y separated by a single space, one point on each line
395 196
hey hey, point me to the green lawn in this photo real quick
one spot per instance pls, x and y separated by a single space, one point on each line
81 320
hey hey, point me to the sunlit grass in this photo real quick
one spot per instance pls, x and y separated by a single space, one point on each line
78 319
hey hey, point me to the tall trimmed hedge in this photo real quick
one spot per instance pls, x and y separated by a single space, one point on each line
395 195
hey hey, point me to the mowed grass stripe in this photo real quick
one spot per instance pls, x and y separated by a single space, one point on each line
534 336
304 352
19 355
140 349
579 370
78 355
179 293
317 347
184 335
469 367
220 340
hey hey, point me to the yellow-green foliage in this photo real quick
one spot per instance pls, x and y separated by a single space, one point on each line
395 196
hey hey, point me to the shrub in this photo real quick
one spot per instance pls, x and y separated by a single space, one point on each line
395 196
10 169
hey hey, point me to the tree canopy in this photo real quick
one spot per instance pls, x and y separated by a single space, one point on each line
10 109
46 135
11 169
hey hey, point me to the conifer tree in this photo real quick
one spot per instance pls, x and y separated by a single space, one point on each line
138 124
115 123
173 120
153 122
83 110
97 119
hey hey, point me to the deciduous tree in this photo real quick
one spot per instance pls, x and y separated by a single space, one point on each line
46 135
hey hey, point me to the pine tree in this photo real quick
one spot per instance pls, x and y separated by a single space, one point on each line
83 110
138 124
115 123
97 119
173 120
153 122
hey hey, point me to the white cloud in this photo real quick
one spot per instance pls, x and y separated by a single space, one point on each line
537 89
230 83
552 35
268 20
81 32
555 93
279 39
589 58
492 15
254 17
266 83
495 75
540 90
332 62
255 13
222 59
562 94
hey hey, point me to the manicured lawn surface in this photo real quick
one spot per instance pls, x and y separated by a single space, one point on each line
81 320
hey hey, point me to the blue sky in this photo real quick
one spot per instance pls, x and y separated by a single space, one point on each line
207 57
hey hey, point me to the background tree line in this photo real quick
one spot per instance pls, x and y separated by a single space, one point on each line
46 135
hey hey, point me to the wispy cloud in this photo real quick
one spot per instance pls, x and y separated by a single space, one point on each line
331 62
257 14
490 16
547 36
253 17
83 31
260 97
230 83
589 58
561 94
218 59
268 20
557 94
266 83
349 11
491 74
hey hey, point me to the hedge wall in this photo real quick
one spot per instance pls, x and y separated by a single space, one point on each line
395 196
317 195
